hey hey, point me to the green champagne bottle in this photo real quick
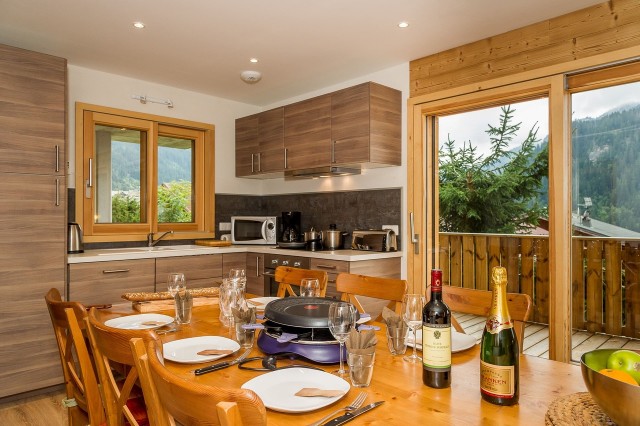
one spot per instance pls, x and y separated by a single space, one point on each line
499 350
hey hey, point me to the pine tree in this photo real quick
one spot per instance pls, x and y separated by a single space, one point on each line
496 193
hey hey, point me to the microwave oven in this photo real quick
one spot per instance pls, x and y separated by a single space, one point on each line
259 230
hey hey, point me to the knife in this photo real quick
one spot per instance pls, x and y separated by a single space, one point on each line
221 365
352 415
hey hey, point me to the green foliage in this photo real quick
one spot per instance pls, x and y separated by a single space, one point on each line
174 202
497 193
125 209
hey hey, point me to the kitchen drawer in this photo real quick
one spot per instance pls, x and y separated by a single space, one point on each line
332 268
105 282
199 271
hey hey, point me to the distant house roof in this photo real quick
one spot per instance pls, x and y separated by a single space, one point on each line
585 225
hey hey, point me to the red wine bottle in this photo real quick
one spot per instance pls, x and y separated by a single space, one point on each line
436 337
499 350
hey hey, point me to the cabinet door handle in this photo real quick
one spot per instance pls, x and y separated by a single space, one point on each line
333 152
252 163
285 158
332 267
57 192
57 158
115 271
257 266
259 161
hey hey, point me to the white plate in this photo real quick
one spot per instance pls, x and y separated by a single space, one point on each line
135 322
459 341
186 351
262 300
277 389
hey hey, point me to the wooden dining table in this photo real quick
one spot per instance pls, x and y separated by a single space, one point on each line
397 382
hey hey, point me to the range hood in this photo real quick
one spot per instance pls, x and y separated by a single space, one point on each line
320 172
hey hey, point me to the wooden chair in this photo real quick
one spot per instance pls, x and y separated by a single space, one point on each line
353 287
478 302
190 403
83 400
112 355
287 278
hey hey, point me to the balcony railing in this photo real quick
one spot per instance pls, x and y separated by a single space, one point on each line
605 284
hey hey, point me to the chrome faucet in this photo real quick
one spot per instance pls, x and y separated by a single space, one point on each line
151 242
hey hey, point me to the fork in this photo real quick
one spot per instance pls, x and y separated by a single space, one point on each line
353 406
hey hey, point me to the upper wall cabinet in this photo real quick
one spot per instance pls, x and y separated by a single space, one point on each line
358 126
260 144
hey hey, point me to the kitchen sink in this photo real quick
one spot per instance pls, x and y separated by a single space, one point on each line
129 250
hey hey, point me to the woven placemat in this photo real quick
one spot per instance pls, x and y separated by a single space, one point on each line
577 409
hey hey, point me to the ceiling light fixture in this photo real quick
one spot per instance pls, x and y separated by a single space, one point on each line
139 25
253 60
251 77
403 24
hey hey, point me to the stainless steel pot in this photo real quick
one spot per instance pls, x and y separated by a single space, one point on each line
333 239
313 240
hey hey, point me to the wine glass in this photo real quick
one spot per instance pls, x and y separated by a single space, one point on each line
237 273
176 284
412 305
309 287
342 318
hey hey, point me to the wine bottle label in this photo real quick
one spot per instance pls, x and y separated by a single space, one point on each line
436 346
497 380
495 324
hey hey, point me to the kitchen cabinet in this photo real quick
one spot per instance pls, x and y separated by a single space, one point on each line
255 278
307 133
260 144
386 268
32 215
99 283
233 261
199 271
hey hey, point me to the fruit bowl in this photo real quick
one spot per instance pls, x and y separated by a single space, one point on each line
619 400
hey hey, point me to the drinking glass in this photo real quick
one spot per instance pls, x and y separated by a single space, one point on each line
310 287
231 296
412 314
237 273
176 284
342 318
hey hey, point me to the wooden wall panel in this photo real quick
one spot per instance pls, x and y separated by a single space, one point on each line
603 28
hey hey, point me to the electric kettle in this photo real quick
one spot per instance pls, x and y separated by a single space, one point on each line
74 239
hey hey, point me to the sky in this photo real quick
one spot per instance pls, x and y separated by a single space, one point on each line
472 126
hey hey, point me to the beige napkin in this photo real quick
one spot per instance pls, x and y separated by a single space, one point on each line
244 315
329 393
395 324
361 342
206 352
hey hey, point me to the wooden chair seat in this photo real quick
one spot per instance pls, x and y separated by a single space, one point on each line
112 354
478 302
171 398
83 399
288 277
391 290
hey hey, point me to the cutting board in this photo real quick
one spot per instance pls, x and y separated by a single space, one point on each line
167 305
213 243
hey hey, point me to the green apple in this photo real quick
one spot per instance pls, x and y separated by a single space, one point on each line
625 360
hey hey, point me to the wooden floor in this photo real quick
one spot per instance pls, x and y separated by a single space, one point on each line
536 338
47 410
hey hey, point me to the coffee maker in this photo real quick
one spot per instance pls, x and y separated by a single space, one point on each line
291 225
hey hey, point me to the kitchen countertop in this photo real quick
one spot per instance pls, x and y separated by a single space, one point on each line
130 253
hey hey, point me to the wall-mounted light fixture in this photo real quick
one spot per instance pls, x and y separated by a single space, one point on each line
144 99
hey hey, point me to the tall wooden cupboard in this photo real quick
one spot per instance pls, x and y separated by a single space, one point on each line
32 215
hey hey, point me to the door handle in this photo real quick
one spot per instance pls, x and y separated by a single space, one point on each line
415 238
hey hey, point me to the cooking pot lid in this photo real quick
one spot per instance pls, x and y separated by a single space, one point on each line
309 312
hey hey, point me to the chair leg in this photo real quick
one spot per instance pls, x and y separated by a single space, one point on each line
228 413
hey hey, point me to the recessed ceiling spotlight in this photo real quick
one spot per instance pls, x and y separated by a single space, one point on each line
139 25
253 60
403 24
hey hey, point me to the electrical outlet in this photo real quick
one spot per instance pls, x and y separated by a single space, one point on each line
225 226
394 228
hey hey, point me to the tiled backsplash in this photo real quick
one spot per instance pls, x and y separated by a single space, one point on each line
349 210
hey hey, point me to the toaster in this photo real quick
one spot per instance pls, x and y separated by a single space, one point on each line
374 240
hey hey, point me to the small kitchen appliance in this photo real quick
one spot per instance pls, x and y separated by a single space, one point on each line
74 239
374 240
257 230
290 227
333 239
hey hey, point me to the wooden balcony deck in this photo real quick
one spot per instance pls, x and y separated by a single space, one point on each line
536 338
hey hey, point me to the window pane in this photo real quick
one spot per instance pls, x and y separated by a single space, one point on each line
119 187
176 202
605 144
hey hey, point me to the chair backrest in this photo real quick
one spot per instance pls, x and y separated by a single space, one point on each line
190 403
478 302
287 278
113 357
354 286
79 375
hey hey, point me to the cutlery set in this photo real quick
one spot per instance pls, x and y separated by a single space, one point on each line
353 410
221 365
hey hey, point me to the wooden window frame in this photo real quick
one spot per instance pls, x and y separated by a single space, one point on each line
203 185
